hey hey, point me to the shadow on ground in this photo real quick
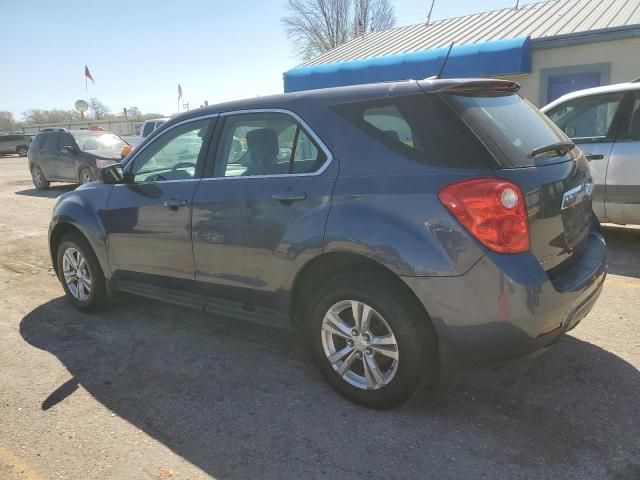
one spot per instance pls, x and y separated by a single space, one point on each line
53 192
241 401
624 250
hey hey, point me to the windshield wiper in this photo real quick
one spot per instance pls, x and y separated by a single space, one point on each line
561 148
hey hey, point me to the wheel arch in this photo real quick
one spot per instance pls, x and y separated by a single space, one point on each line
322 267
59 231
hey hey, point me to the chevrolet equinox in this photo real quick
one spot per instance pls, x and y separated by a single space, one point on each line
408 229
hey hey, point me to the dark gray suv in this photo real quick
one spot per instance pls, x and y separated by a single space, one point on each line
408 229
72 156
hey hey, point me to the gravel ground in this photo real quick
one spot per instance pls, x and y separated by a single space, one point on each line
148 390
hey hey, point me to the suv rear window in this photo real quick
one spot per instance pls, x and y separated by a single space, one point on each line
509 125
418 127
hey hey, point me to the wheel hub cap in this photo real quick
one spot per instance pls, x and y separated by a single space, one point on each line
76 274
359 345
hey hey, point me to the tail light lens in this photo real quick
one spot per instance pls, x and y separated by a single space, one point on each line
493 210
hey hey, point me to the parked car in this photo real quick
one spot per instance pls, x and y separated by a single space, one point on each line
14 143
149 126
72 156
605 123
412 228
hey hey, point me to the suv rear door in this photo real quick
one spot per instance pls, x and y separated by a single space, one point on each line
262 212
623 172
591 123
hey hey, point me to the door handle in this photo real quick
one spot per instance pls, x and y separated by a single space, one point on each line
288 196
592 156
175 203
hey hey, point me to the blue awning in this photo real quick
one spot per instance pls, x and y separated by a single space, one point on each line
501 57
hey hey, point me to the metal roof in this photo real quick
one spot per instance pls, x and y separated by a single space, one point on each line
537 20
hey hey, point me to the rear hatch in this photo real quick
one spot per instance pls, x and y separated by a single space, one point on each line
532 152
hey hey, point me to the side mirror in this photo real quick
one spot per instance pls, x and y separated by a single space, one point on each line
71 149
111 174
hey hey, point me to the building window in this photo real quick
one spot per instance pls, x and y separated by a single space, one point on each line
556 82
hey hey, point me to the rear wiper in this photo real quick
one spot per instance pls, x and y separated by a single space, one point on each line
561 148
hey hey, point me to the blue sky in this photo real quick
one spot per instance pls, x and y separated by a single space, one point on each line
139 50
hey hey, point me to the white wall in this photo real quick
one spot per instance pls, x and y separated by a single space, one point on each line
624 56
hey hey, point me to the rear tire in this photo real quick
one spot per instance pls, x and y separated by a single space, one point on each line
80 273
380 360
86 176
39 180
22 151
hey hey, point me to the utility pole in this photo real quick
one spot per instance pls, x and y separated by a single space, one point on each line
433 2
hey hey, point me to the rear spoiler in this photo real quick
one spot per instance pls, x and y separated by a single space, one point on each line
471 86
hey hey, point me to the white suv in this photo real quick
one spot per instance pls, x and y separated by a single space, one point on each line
605 123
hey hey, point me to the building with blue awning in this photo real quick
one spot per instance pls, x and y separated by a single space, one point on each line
550 48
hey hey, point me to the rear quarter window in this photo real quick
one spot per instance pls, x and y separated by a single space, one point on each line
419 127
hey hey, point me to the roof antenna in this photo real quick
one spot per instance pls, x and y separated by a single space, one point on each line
517 4
444 62
433 2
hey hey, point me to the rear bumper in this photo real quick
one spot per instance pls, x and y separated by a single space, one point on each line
507 306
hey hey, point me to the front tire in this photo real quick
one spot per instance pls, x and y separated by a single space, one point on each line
39 180
86 176
370 340
80 273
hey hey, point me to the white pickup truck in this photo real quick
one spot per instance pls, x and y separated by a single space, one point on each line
144 130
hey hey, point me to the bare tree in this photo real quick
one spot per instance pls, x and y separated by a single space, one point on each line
38 115
6 121
99 109
317 26
374 15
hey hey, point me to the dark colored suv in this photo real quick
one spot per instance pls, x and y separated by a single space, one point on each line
72 156
409 229
14 143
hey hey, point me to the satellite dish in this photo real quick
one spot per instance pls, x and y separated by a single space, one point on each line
81 106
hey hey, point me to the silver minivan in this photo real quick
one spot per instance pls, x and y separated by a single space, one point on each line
605 123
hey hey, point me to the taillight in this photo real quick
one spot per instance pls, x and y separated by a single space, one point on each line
493 210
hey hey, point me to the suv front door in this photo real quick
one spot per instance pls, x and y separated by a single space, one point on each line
261 214
148 220
623 173
591 123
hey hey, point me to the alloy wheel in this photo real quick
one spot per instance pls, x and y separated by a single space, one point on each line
38 179
86 177
76 274
359 345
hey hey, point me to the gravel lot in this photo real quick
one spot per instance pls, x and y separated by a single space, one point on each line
148 390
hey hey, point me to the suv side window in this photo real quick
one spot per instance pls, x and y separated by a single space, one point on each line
587 119
420 127
632 129
66 139
50 143
174 155
148 128
259 144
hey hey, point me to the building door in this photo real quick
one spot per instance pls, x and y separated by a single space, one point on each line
560 85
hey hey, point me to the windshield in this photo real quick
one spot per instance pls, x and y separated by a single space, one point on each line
511 127
98 141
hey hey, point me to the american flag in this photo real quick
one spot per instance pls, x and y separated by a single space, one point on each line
87 74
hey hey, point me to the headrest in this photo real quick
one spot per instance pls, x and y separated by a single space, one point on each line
263 145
